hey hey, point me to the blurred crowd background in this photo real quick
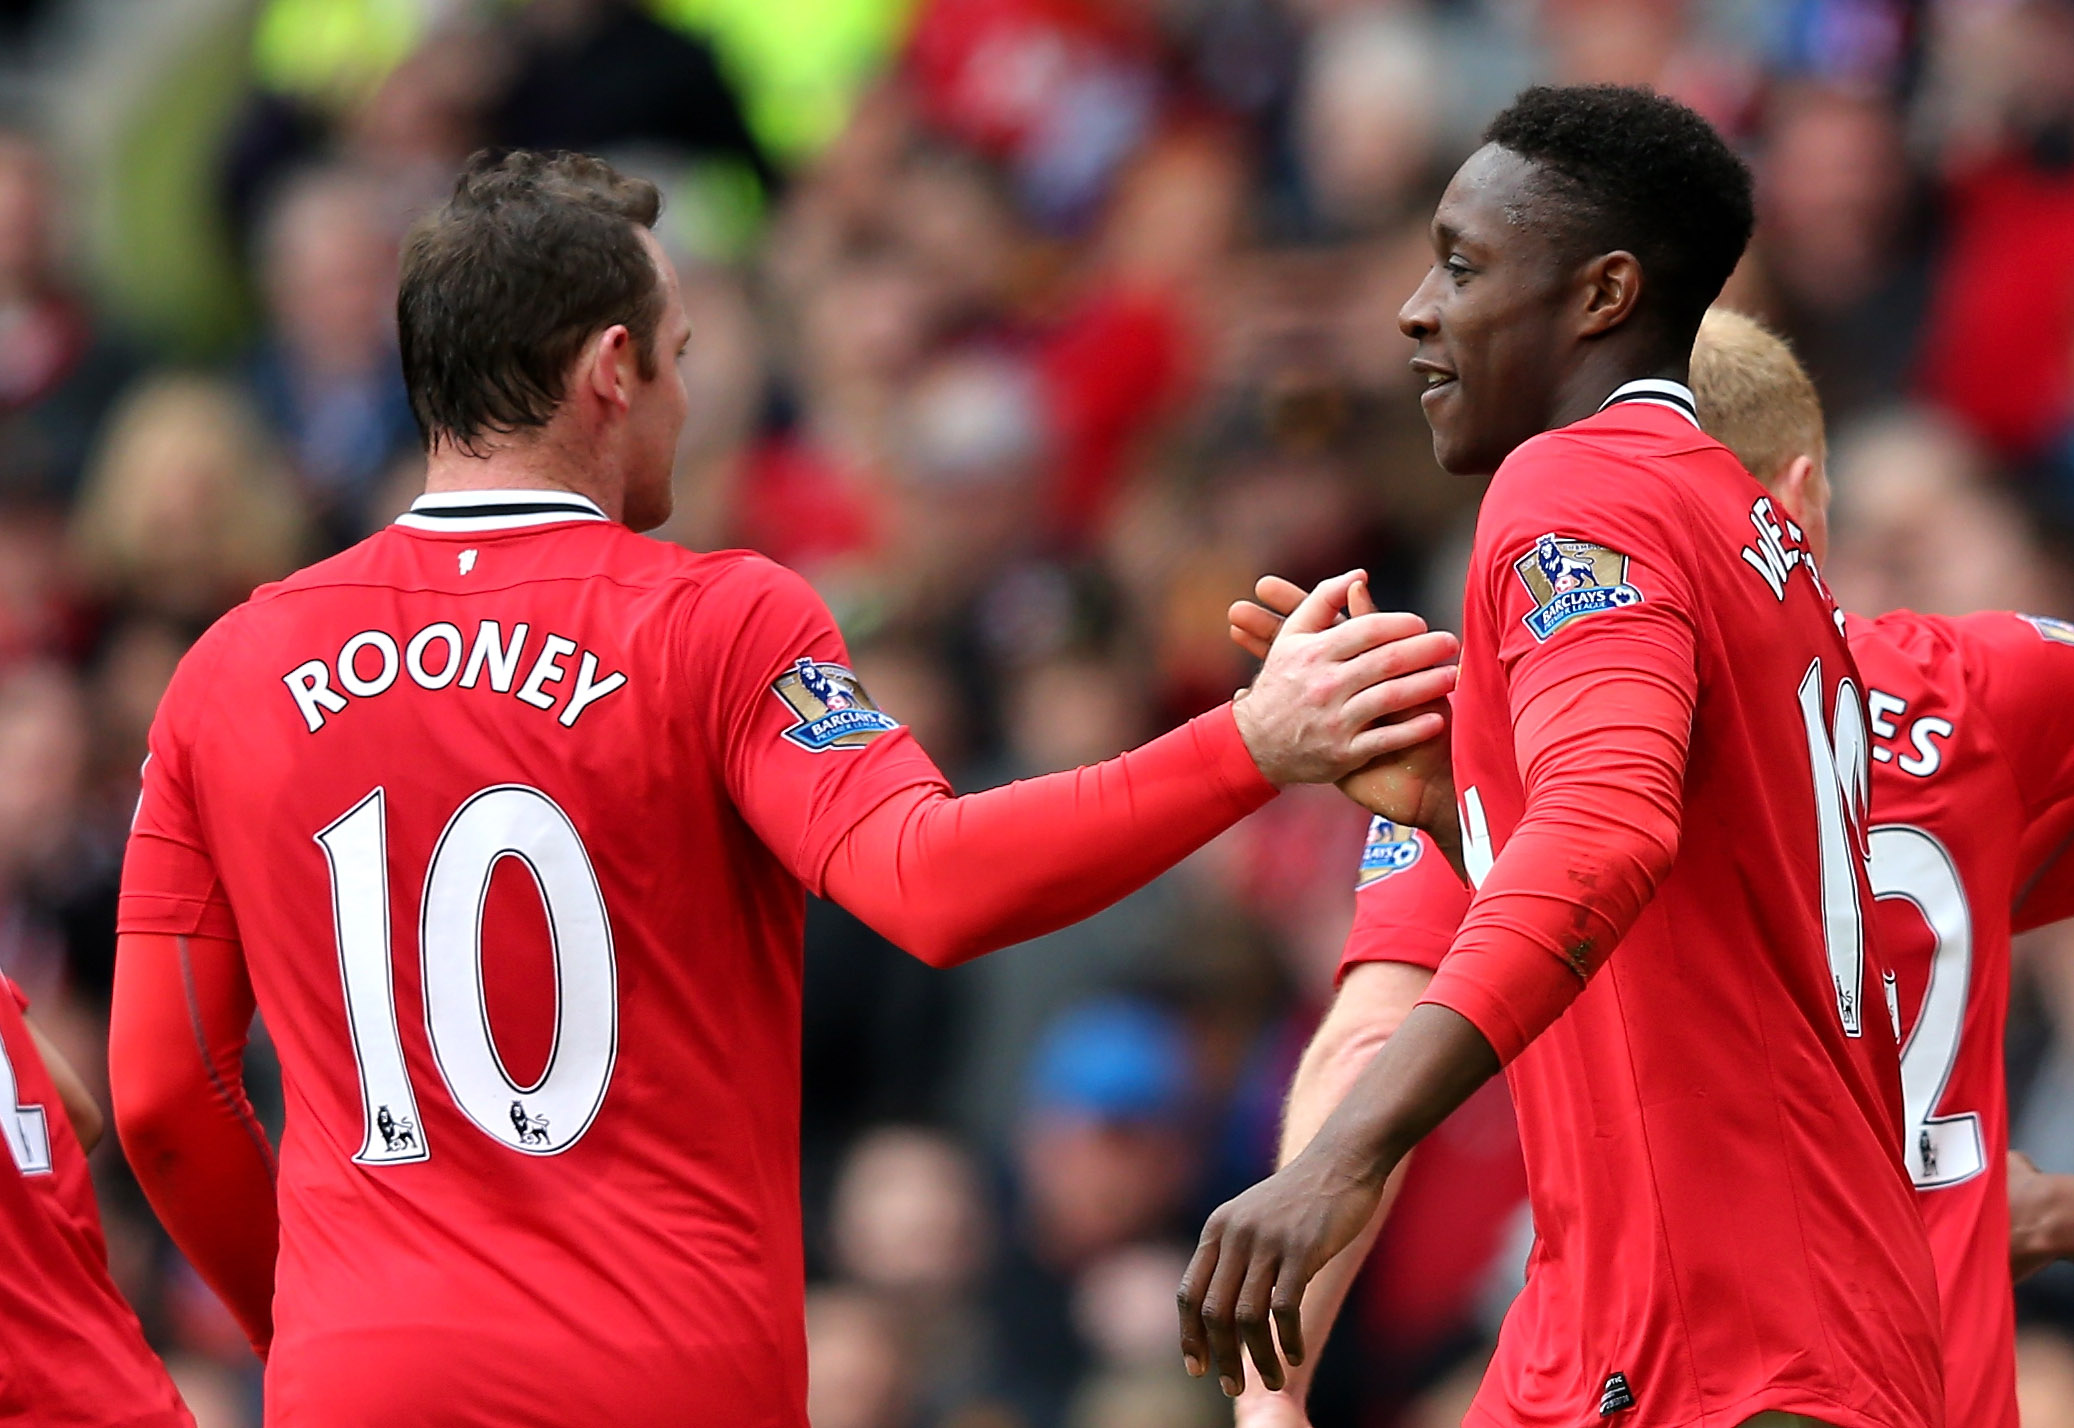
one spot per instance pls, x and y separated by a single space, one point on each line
1031 331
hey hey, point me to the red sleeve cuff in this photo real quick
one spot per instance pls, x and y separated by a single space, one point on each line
1413 946
1510 996
1223 750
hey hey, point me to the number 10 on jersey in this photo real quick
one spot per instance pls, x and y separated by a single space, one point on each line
505 821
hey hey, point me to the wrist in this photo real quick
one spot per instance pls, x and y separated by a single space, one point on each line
1259 746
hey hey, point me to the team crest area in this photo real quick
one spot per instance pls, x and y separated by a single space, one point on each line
834 711
1391 848
2058 631
1569 578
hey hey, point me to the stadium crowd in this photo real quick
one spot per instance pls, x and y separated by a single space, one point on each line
1030 331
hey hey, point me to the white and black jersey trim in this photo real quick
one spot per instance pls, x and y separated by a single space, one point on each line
461 511
1657 392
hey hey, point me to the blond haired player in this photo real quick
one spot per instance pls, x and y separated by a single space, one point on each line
1971 728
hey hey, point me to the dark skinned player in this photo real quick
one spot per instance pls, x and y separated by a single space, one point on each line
1660 747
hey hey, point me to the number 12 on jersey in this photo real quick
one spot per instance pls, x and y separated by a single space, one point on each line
504 821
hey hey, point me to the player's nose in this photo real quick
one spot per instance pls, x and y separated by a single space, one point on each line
1419 318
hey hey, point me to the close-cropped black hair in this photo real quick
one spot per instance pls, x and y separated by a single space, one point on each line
1625 168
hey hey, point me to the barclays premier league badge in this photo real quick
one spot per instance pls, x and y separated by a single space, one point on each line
1391 848
1569 578
834 711
2058 631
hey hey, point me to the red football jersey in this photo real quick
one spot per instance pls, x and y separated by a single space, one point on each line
510 809
1712 1129
71 1352
1972 748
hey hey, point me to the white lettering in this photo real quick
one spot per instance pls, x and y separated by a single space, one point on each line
378 641
546 671
1928 756
310 683
1477 854
414 655
552 673
490 650
589 689
1881 704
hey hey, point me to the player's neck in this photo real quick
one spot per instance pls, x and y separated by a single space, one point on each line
1602 373
531 466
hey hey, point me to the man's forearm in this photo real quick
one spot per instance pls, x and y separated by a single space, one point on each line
1434 1063
2041 1217
176 1037
1374 999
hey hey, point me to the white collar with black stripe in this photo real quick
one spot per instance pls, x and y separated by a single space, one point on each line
459 511
1657 392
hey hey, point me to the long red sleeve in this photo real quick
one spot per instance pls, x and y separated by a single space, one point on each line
176 1044
1602 752
952 878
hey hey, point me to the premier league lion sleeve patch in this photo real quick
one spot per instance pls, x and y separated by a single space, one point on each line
2059 632
1390 849
1569 579
833 710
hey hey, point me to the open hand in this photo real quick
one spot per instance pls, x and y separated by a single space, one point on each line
1323 704
1257 1253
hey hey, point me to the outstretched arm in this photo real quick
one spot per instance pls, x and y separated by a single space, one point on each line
951 878
182 1010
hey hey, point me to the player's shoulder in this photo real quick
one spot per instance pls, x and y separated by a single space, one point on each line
1978 644
1613 463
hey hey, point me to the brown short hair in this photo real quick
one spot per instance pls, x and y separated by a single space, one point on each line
1754 396
504 283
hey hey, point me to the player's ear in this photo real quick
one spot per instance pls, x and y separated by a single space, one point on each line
1612 287
608 364
1794 488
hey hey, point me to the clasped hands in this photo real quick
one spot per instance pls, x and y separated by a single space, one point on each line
1353 696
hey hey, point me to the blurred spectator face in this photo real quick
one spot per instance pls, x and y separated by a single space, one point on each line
187 506
427 111
865 322
1123 1305
43 752
908 1218
136 666
1105 1152
24 218
1071 711
329 271
1176 212
1831 186
858 1365
957 229
972 440
1917 525
1368 109
1611 41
